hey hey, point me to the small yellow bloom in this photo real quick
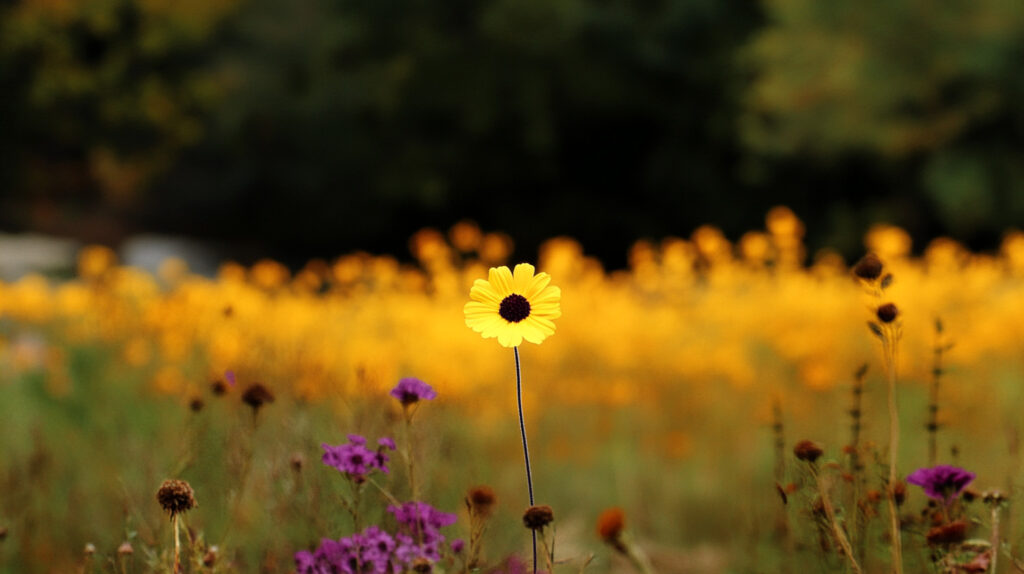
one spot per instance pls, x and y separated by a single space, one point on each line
513 306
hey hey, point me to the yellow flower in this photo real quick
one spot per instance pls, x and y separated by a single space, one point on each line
513 306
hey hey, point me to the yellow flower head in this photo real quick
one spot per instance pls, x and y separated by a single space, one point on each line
513 306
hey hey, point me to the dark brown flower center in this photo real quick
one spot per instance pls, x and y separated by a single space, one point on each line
514 308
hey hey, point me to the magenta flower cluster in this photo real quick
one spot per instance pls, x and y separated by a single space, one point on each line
943 482
420 522
374 551
355 460
412 390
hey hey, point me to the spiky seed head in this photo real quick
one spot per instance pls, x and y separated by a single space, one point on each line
537 517
808 450
176 496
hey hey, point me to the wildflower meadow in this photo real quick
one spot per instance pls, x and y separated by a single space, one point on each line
721 405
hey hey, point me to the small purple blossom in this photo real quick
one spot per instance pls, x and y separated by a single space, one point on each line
369 552
420 531
943 482
458 545
354 459
411 390
387 443
229 376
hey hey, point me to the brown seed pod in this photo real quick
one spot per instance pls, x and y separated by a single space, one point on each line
481 500
887 313
808 450
869 267
537 517
176 496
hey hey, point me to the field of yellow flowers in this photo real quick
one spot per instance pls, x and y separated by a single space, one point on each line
658 392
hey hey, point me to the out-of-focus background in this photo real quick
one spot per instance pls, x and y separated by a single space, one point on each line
316 127
199 196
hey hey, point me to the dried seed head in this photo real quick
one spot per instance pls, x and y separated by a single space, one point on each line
176 496
196 404
481 500
422 565
887 313
808 450
537 517
257 395
3 533
951 533
125 549
970 494
89 549
297 461
610 525
869 267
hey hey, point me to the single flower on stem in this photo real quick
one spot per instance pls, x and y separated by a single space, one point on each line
410 391
512 306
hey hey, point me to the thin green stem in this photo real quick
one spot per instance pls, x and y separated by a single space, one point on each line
526 449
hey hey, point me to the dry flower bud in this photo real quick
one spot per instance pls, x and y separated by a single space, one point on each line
537 517
125 549
612 522
869 267
808 450
481 500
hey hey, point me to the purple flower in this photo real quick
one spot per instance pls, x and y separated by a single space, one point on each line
943 482
229 376
411 390
369 552
354 459
458 545
387 443
420 535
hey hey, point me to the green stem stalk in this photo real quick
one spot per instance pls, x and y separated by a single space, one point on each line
526 449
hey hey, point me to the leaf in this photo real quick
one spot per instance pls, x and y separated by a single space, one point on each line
876 329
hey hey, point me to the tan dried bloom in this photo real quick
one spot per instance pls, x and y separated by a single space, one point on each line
537 517
176 496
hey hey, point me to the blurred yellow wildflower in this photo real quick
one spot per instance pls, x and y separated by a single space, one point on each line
513 306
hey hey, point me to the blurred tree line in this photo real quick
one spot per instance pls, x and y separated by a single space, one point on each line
309 127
